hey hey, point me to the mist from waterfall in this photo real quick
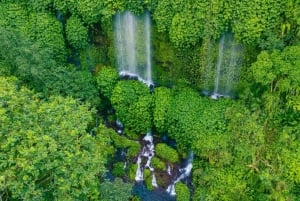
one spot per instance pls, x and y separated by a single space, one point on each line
132 44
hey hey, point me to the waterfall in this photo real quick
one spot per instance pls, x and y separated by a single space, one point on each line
148 153
184 173
229 60
218 70
132 44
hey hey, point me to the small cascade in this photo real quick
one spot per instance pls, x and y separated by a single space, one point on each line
148 153
132 44
169 169
119 127
139 176
154 182
184 173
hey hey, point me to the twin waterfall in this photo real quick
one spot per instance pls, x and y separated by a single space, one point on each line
133 57
132 44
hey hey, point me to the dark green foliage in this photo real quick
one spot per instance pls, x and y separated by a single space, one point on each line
167 153
25 59
115 191
35 66
107 79
118 169
92 58
77 33
78 84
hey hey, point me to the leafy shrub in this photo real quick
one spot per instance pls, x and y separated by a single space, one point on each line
118 169
107 79
77 33
133 104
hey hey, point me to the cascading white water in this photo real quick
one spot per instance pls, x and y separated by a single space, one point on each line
184 173
229 61
132 44
218 69
148 50
147 152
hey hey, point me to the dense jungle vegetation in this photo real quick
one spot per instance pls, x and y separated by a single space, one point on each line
59 86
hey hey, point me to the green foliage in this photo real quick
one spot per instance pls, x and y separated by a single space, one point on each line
46 153
254 20
182 192
89 10
133 104
115 191
118 169
167 153
279 74
78 84
43 28
184 30
48 31
25 59
122 142
40 5
163 15
196 119
107 79
132 171
157 164
35 66
92 58
77 33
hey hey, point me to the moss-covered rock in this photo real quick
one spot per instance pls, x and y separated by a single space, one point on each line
166 153
148 179
132 171
157 164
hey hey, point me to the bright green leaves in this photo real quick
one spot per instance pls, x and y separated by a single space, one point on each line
279 72
182 192
89 10
133 104
263 69
162 97
76 33
185 30
163 15
253 21
46 153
